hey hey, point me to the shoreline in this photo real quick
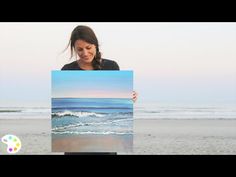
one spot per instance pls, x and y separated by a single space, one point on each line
150 136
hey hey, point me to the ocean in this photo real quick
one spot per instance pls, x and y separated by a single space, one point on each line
140 111
25 112
184 111
92 116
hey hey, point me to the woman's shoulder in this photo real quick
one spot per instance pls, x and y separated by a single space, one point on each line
71 66
108 64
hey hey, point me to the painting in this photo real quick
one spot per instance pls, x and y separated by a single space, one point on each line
92 111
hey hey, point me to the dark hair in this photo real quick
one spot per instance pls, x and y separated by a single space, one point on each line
86 34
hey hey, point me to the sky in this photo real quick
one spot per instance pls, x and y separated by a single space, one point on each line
171 62
92 84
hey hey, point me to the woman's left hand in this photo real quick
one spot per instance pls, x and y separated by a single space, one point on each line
135 96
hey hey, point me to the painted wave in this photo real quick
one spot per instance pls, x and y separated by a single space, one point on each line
76 114
109 126
91 124
80 114
95 133
90 107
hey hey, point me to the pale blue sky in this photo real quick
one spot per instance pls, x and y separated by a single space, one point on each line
172 62
92 84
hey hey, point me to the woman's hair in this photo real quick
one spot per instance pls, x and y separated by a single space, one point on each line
86 34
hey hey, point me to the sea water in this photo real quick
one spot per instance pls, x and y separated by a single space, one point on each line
184 111
140 110
92 116
25 112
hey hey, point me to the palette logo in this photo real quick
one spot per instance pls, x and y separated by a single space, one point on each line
13 143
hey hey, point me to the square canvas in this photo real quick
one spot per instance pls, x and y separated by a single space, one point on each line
92 111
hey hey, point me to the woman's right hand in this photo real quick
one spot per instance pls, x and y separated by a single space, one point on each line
135 96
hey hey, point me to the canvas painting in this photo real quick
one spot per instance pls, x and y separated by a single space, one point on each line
92 111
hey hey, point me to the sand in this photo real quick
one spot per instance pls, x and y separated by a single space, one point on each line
185 137
35 135
150 136
92 143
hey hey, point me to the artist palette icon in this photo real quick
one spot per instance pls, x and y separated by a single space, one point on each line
13 143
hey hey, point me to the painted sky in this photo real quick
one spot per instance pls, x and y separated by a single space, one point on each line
172 62
92 84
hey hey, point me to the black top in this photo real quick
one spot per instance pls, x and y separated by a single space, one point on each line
105 65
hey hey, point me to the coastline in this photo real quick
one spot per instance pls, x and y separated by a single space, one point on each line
150 136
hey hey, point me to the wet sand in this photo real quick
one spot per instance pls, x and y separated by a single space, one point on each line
92 143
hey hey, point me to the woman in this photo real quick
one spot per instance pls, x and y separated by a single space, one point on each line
84 45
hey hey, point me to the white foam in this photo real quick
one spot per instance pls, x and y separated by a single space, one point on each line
77 114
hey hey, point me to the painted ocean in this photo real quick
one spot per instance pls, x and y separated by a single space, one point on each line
87 116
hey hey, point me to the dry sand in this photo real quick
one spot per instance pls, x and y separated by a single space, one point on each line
35 135
185 137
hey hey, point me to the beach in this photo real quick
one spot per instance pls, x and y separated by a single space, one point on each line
185 137
35 135
151 136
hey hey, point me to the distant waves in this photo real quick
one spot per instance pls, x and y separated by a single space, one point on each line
159 111
25 113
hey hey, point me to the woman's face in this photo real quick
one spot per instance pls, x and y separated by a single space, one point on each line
85 51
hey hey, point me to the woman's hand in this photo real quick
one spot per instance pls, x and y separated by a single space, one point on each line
135 96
